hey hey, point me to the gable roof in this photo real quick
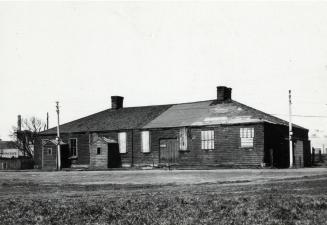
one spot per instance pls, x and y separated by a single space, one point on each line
202 113
53 141
112 119
210 113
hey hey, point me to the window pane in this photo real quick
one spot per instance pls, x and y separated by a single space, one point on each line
73 146
246 142
207 139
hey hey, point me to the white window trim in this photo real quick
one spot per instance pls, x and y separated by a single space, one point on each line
211 141
143 149
76 146
50 150
122 143
247 137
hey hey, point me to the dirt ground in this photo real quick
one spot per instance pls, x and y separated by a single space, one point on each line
236 196
159 177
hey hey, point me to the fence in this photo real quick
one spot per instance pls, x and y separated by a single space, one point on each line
16 164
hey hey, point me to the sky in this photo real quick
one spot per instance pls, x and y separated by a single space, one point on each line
81 53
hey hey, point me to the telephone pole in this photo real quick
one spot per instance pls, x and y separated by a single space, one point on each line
58 140
47 120
290 128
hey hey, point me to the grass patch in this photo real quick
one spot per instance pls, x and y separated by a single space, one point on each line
156 207
301 201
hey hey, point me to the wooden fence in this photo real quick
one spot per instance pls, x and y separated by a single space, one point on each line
16 164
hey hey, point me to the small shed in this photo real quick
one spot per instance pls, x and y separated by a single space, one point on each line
49 153
104 152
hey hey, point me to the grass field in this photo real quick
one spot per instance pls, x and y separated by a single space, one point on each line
165 197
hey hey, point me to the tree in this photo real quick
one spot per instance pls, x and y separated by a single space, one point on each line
26 133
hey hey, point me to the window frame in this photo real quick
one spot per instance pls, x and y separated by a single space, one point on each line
70 147
247 136
148 143
119 142
207 142
183 137
98 151
49 151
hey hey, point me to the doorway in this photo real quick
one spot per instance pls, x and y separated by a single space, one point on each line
64 155
114 159
169 151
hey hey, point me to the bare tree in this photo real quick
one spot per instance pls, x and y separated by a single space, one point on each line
25 136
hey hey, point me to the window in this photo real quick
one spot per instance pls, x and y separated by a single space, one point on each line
247 135
122 142
207 139
49 151
98 150
183 139
73 146
145 141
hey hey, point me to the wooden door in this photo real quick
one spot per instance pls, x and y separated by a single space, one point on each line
114 160
169 151
65 154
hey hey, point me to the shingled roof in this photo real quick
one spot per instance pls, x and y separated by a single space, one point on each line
112 119
201 113
211 113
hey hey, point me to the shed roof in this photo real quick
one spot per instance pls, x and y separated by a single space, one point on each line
210 113
110 119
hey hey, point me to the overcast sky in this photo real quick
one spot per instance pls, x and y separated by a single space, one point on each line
159 53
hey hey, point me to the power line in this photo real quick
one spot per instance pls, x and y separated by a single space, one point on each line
313 116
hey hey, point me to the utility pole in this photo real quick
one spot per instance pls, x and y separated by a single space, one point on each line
47 120
58 140
290 128
19 123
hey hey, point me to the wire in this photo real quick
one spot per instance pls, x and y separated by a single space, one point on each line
300 115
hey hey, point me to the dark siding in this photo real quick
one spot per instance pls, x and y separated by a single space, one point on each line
38 152
126 158
82 146
276 137
227 152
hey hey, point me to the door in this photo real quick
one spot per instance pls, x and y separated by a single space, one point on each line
169 151
114 160
64 155
298 154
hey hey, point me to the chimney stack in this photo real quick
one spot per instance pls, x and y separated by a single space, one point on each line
224 94
117 102
19 123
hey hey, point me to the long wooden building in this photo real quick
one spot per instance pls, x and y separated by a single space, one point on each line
220 133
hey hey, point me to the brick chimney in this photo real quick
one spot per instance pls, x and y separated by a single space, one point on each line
117 102
224 94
